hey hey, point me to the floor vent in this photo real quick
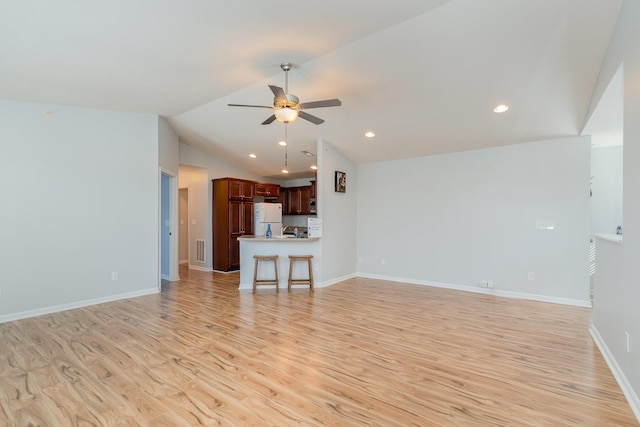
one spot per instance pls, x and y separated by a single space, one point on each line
200 254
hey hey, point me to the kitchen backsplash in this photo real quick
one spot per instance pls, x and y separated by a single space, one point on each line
296 220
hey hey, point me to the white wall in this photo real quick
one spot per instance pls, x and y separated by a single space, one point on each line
617 293
79 201
456 219
338 212
606 185
168 147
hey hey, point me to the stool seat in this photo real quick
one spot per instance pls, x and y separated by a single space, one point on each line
256 281
308 281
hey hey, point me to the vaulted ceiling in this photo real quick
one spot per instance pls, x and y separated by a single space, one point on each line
423 75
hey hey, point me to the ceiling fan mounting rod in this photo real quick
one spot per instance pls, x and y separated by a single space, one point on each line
286 66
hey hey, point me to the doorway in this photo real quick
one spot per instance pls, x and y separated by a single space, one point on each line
168 218
605 126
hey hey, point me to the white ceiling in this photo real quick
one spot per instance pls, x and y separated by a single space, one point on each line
424 75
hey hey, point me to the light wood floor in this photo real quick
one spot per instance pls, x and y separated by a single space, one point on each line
363 352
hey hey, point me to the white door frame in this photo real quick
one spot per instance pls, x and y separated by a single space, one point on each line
173 226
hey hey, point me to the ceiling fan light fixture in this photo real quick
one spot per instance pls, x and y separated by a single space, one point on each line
286 115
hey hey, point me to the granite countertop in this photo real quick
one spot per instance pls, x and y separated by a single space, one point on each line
279 239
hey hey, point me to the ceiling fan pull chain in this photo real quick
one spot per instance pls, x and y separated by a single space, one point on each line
286 147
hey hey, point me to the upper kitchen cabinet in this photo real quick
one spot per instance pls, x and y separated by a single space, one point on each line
313 190
240 189
298 200
266 190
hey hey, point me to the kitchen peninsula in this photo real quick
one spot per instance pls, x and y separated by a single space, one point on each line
281 246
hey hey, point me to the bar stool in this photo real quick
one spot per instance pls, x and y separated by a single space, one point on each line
292 281
257 281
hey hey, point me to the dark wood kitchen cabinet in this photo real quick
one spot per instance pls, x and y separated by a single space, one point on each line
266 190
240 189
232 218
283 199
313 190
298 199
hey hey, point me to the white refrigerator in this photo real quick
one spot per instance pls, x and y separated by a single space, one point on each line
265 214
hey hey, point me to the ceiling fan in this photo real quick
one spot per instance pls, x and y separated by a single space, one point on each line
287 107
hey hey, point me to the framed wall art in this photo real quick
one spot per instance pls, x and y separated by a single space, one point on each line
341 182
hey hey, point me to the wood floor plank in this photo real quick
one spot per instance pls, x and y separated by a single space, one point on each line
362 352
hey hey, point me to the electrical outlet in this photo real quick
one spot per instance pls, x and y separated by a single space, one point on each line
382 261
360 260
531 276
628 341
486 284
114 275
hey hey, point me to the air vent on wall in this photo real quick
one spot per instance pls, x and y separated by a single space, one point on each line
200 253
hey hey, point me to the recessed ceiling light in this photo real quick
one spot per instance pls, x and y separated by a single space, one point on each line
253 156
283 143
314 167
369 134
500 108
285 171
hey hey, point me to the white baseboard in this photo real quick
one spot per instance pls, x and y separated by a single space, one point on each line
197 267
284 285
618 374
496 292
73 305
337 280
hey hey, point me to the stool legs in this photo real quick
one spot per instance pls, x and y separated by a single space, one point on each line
309 281
257 281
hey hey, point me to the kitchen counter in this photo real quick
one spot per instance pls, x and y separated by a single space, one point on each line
617 238
282 247
279 239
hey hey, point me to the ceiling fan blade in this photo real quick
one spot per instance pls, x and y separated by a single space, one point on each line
269 120
320 104
254 106
313 119
278 92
